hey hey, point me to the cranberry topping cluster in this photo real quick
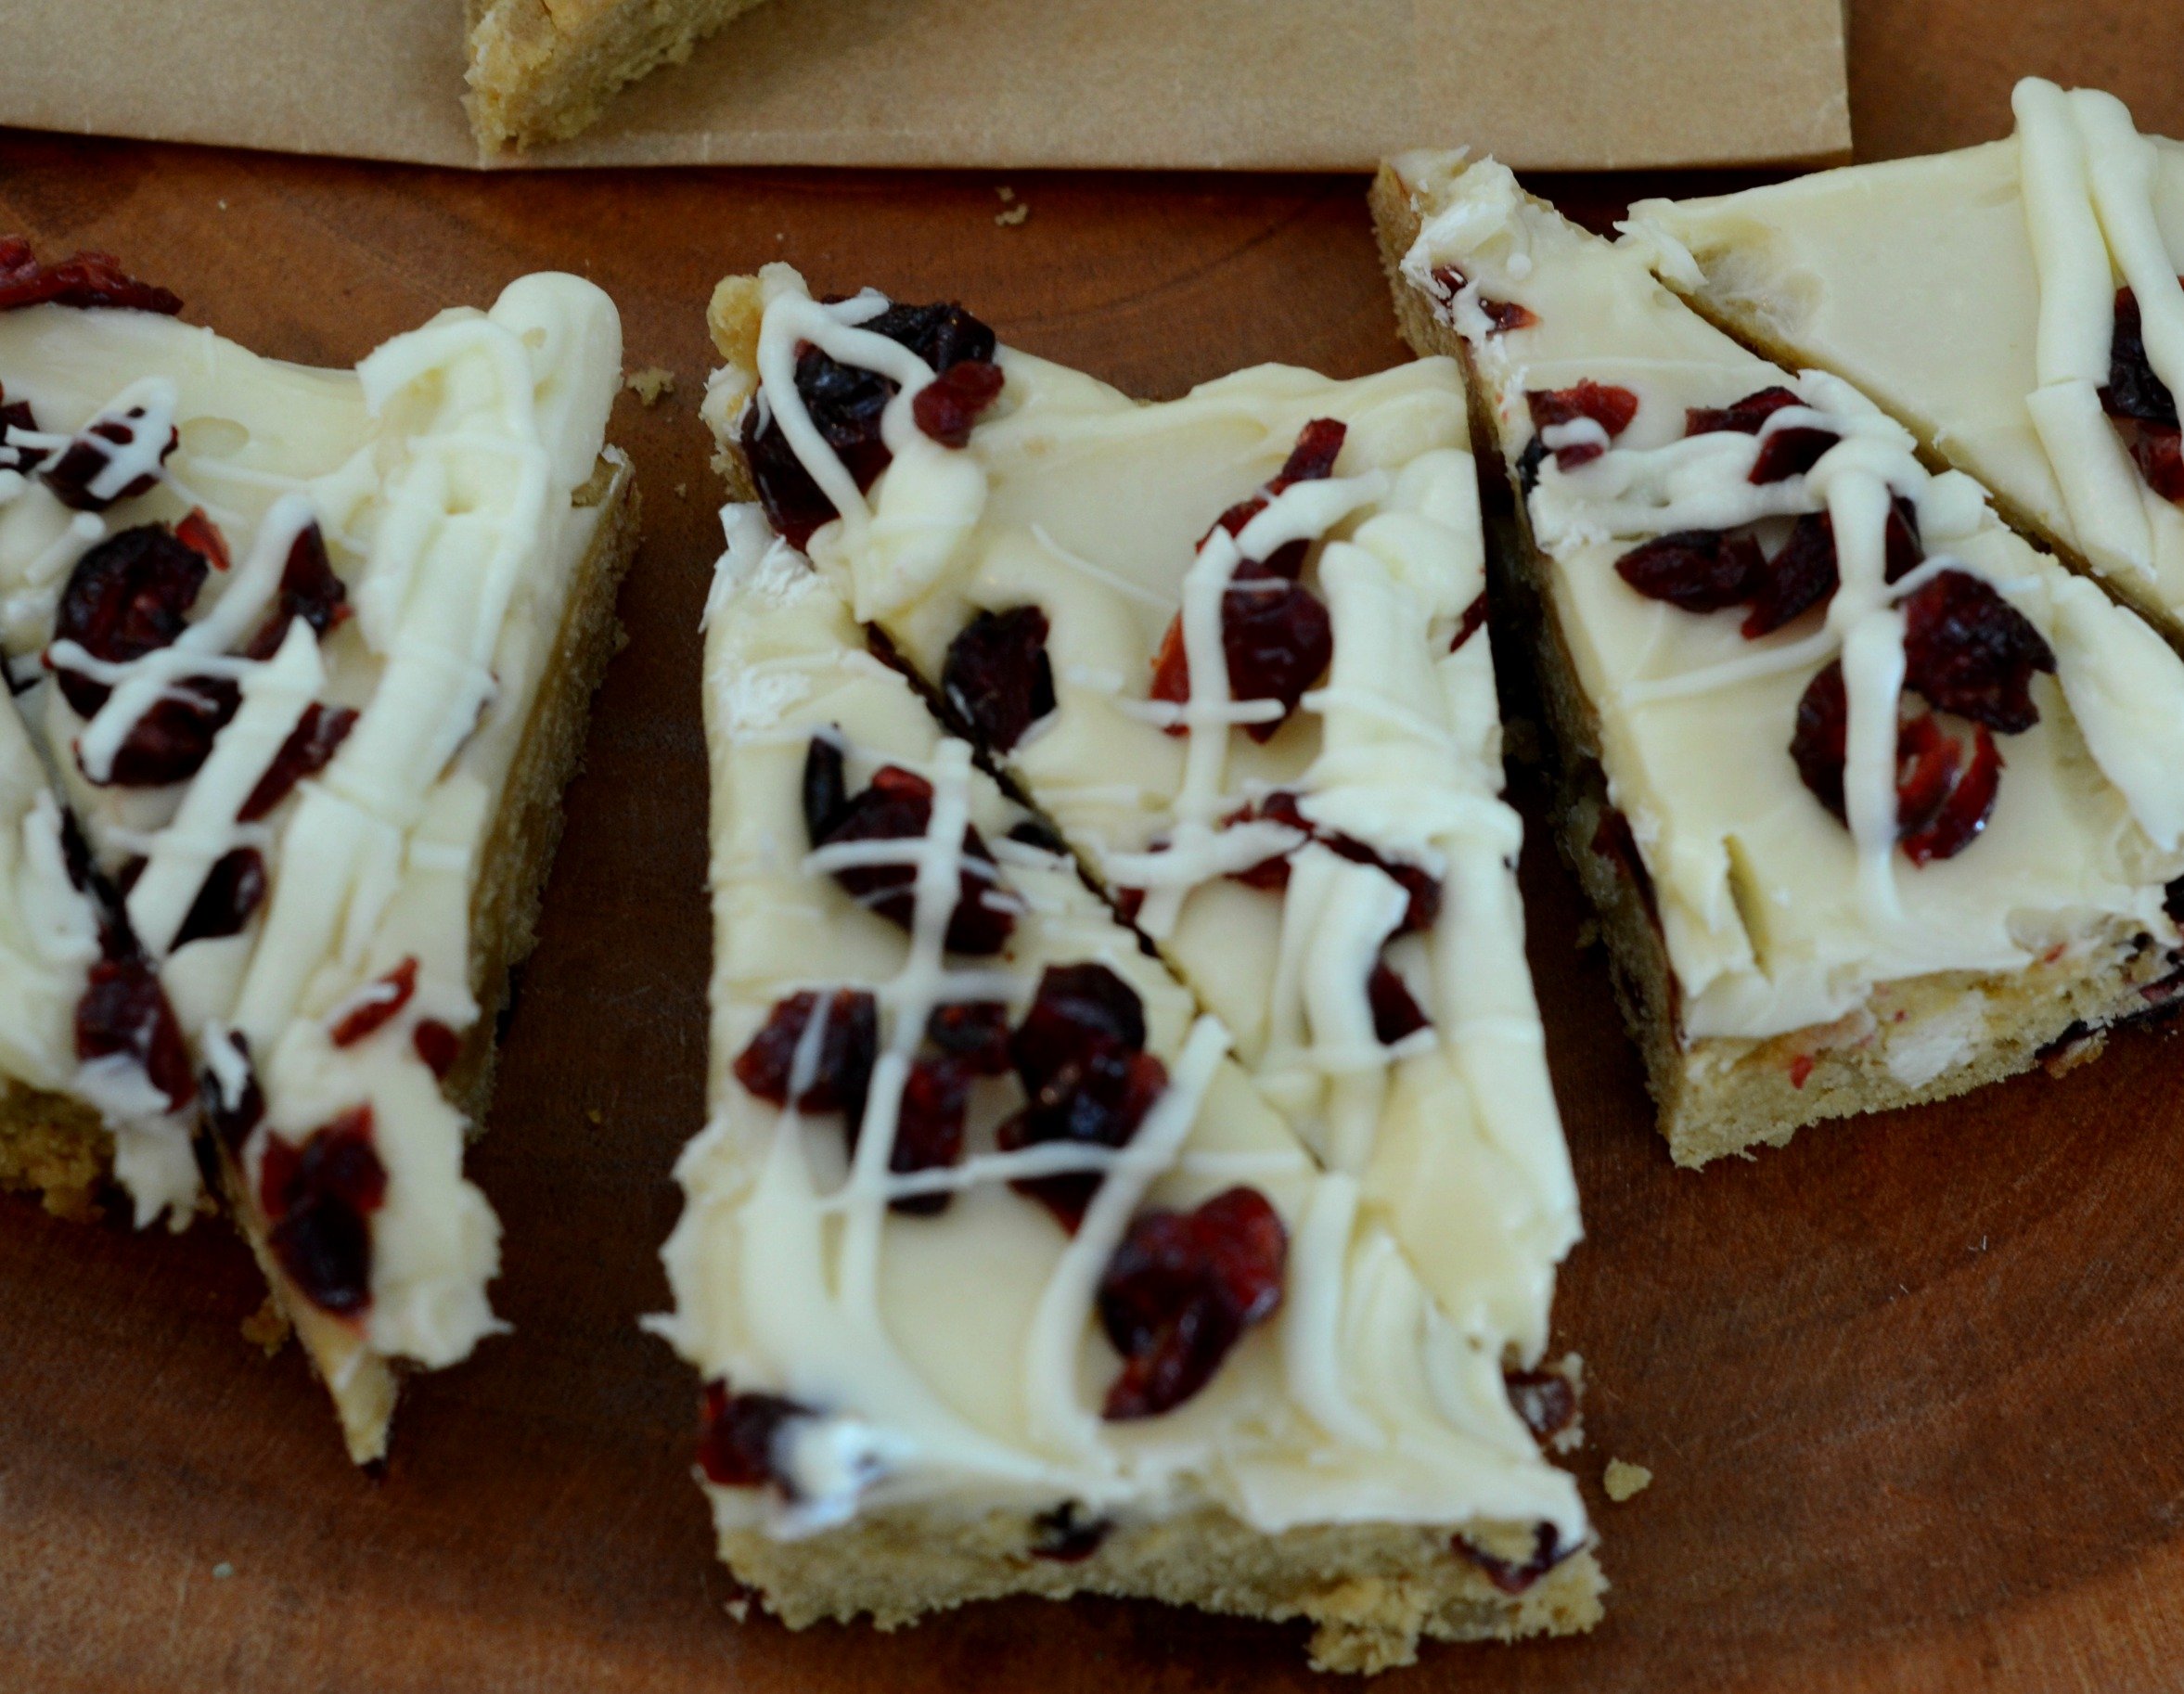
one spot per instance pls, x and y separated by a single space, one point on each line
897 806
123 1010
2140 403
1502 316
1181 1290
318 1197
1276 635
84 280
846 404
1967 650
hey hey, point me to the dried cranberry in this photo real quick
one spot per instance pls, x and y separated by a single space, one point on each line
81 280
2134 389
318 1199
232 890
1312 459
1273 874
86 458
1079 1053
826 789
1696 570
1448 280
849 1047
124 1010
1743 416
1067 1535
234 1115
1967 650
438 1046
1512 1578
1078 1008
311 746
170 742
1394 1011
1941 801
997 677
929 1127
974 1032
1504 315
1543 1399
1279 807
1180 1292
375 1006
898 806
1802 574
127 596
1277 638
846 403
19 456
201 534
1610 407
1470 623
738 1436
946 407
2158 450
1791 452
309 589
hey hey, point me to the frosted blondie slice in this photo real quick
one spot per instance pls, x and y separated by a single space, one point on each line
2015 305
1230 646
1877 801
1001 1275
305 657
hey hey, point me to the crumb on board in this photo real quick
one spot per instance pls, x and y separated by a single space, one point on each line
1588 935
681 491
223 1570
267 1327
593 1112
1622 1480
1013 210
651 385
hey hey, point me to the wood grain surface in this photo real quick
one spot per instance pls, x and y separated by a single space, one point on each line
1908 1387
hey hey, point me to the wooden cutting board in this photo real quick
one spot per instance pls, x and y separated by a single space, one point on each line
1907 1386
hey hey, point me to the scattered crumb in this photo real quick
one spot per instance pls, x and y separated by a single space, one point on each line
1013 216
223 1570
1588 935
651 385
222 204
1621 1480
593 1112
267 1327
738 1607
1005 192
681 491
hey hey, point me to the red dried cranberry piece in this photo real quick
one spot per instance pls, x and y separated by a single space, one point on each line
376 1005
1904 550
1791 452
2133 390
18 455
1079 1054
1279 807
84 459
201 534
1801 575
309 590
1449 280
1745 417
1318 445
1512 1578
1967 650
171 741
1067 1535
1543 1399
929 1127
738 1437
826 789
127 596
974 1032
1941 801
311 746
124 1010
1394 1011
81 280
1273 874
848 1049
1470 623
1078 1010
1180 1292
946 407
1277 640
1610 407
232 890
438 1046
898 806
1820 742
234 1115
997 677
318 1199
846 404
1960 814
2158 449
1696 570
1506 314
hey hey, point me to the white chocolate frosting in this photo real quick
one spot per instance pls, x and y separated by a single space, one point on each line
1100 512
1972 294
441 474
954 1360
1775 916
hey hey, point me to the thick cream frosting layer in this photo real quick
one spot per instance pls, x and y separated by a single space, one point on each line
1775 916
954 1358
1972 295
441 474
1071 497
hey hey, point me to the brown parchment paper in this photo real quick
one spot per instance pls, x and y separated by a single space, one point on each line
1248 84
